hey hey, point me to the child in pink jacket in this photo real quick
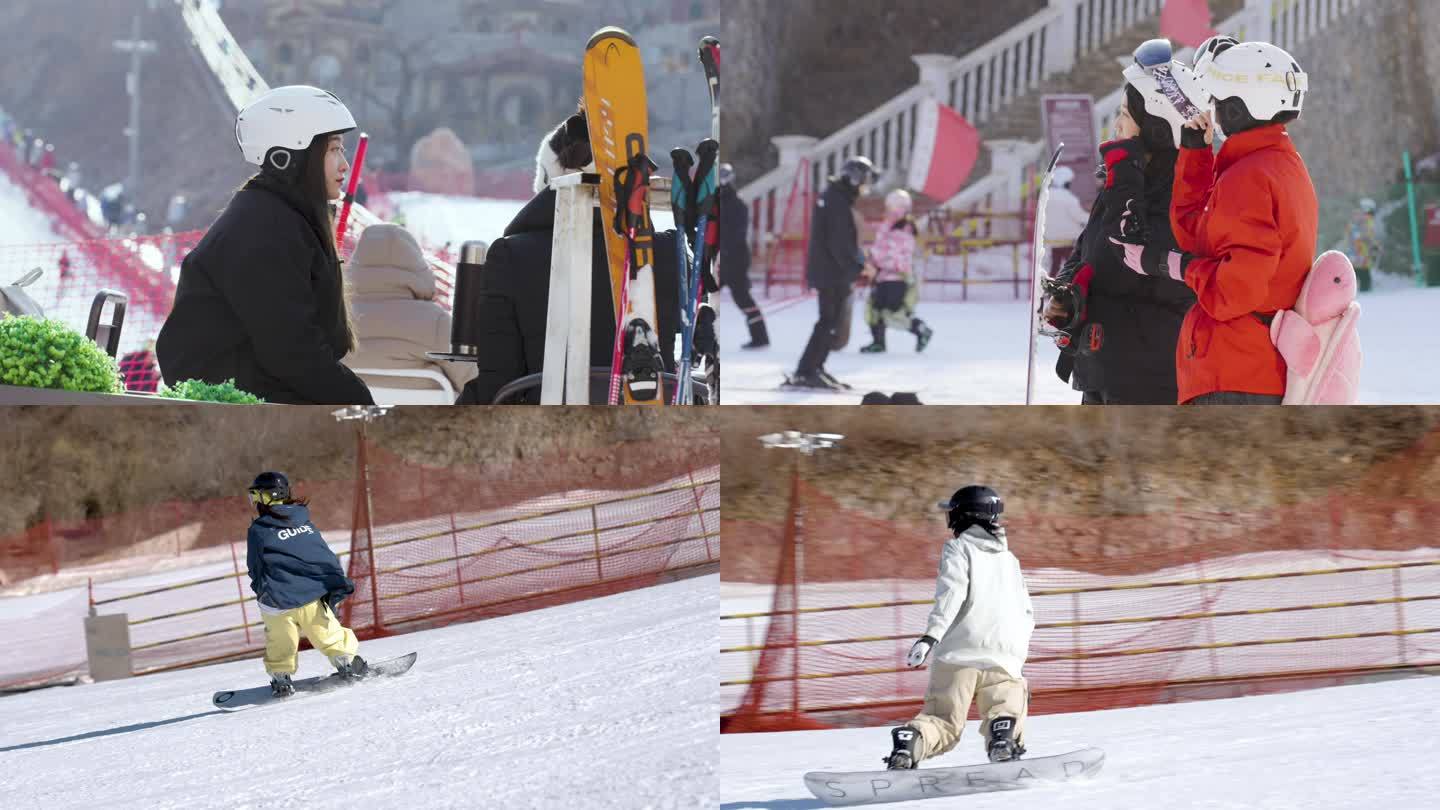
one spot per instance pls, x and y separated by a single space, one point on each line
892 301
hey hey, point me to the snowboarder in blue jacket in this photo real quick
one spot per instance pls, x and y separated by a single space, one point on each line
298 582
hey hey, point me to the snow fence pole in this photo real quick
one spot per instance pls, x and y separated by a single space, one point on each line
350 191
1417 265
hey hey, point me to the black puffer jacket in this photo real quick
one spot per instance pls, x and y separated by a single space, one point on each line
835 259
1138 315
515 297
260 301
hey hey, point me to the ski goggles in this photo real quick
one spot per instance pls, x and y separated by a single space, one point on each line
265 497
1153 53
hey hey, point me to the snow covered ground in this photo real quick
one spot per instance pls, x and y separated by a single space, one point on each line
1346 747
977 356
607 703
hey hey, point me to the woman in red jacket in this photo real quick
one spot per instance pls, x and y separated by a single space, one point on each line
1246 221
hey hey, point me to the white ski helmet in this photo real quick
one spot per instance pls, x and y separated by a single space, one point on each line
1167 85
1264 77
898 202
1064 176
279 125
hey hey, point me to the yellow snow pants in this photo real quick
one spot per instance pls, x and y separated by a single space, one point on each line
317 622
947 702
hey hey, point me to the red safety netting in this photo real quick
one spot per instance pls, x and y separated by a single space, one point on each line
785 264
1208 603
475 542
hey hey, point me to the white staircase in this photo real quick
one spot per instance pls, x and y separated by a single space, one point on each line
981 83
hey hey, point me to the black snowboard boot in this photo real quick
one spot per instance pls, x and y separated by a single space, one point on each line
809 379
350 667
280 684
902 754
877 346
1003 746
922 333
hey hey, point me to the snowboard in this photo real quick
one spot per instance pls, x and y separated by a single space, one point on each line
844 789
233 701
1039 273
618 119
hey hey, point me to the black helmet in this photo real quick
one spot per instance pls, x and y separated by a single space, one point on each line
270 488
971 505
859 171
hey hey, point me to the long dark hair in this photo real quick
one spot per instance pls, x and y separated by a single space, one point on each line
1155 132
306 184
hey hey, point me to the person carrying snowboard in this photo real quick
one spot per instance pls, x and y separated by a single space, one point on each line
892 300
298 582
1245 222
979 631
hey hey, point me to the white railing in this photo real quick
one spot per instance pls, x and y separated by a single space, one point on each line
978 84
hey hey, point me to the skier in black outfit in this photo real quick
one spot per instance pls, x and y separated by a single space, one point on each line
515 283
261 298
835 262
1123 326
735 257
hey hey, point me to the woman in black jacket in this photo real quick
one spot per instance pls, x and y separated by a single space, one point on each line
1121 326
261 298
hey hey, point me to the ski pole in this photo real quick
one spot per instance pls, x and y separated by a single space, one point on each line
350 192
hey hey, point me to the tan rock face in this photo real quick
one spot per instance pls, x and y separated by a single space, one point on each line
1097 489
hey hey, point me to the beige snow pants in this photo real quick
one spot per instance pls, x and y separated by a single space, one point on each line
947 702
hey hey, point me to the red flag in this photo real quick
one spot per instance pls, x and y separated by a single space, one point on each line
1186 22
946 147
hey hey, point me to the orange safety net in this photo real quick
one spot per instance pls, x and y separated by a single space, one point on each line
785 265
1211 604
431 546
448 544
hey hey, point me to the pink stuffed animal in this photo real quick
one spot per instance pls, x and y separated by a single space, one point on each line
1320 338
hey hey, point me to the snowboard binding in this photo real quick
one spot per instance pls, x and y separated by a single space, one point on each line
281 685
1003 747
644 364
902 755
350 667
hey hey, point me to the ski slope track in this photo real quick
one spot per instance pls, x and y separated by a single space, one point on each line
607 703
1342 748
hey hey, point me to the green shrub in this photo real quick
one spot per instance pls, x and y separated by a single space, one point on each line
200 391
45 353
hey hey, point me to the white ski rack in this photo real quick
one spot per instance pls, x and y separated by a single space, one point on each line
566 379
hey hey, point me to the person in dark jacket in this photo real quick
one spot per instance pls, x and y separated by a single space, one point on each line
261 298
835 262
298 582
515 283
735 257
1122 326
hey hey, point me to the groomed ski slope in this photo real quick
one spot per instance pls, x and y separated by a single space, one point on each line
607 703
977 356
1341 748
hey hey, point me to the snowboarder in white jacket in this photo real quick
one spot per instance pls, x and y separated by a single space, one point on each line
979 632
